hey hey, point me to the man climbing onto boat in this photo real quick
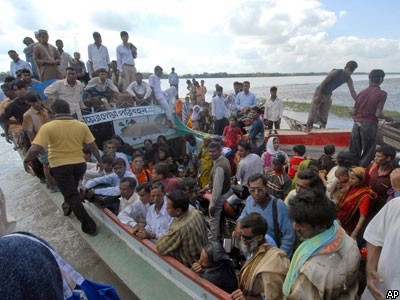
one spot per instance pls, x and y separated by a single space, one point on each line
322 99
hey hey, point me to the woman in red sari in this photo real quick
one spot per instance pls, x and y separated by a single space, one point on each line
353 202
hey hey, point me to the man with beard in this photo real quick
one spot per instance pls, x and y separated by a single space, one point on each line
263 274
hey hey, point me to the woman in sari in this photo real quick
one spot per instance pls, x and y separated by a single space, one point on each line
353 202
205 162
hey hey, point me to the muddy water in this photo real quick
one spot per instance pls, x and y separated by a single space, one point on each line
36 213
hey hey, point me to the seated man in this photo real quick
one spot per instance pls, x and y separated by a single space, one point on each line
141 174
112 180
263 274
110 149
157 219
101 86
326 264
127 188
140 90
27 78
188 232
133 216
272 209
160 174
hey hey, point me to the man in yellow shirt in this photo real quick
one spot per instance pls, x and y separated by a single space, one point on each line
64 136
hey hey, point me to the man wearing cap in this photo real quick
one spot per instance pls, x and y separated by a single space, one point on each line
278 182
98 56
47 58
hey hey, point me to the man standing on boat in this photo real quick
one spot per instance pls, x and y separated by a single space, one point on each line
220 187
166 98
322 99
173 79
98 56
367 109
47 58
64 137
245 99
126 54
17 64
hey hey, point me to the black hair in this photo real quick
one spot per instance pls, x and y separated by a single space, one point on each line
158 186
256 109
132 182
300 149
387 151
344 159
329 149
256 223
161 169
102 70
124 33
70 69
256 177
376 76
215 145
25 71
32 97
352 65
312 207
312 176
274 88
136 156
219 88
60 106
107 159
119 162
179 199
20 84
244 144
144 186
341 171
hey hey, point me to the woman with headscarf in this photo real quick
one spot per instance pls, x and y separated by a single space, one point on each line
353 202
272 149
205 162
215 266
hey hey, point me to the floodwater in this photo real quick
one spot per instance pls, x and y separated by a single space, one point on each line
35 212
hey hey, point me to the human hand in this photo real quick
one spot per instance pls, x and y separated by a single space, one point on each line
373 279
99 167
142 234
197 268
237 295
395 179
212 211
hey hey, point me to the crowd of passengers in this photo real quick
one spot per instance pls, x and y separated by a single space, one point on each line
304 223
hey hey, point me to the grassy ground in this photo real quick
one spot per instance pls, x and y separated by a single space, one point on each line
339 110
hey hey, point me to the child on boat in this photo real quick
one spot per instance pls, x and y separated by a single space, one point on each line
326 162
232 134
298 157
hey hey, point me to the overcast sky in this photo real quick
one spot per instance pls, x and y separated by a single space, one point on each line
217 36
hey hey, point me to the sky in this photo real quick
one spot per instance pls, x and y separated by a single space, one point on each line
236 36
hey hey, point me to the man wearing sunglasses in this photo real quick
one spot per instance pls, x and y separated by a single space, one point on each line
263 274
272 209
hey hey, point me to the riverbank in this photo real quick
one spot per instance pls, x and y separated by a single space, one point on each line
35 212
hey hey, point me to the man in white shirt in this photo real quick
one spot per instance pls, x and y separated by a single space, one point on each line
126 54
133 216
70 90
98 56
17 64
245 99
66 58
218 111
383 244
166 98
273 111
139 90
158 220
231 109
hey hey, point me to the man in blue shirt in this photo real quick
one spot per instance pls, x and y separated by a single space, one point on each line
173 79
256 134
245 99
261 202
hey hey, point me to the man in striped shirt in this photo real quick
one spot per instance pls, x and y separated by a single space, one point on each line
188 232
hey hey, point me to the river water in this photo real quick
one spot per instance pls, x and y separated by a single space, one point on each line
299 88
35 212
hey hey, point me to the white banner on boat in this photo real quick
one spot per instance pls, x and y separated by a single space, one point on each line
122 113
